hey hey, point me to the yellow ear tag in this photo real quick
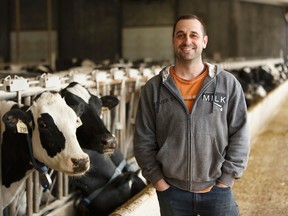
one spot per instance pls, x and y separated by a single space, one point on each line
21 127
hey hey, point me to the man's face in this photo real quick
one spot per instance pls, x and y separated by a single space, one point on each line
188 40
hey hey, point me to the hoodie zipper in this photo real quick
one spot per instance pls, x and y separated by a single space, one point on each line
190 129
189 124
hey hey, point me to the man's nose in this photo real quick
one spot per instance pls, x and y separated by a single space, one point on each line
187 40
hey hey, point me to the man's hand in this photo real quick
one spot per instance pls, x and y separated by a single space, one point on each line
161 185
221 185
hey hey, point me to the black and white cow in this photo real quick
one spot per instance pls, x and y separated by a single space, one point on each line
258 81
283 70
43 134
107 185
92 134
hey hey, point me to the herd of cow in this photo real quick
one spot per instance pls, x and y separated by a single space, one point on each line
64 131
257 82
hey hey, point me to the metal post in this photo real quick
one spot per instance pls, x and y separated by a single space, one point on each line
17 30
286 36
1 201
60 185
36 191
49 33
123 115
29 195
65 185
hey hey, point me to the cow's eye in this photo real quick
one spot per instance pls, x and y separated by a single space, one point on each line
42 124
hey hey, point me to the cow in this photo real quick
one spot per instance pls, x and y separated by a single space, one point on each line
256 82
74 64
92 134
107 185
44 135
27 71
283 70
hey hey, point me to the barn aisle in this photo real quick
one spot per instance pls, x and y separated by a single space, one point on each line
263 190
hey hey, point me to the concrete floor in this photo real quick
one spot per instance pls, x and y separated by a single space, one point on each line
263 189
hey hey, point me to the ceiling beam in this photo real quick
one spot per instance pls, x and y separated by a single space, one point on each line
270 2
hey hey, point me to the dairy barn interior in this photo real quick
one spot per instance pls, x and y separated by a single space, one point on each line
112 48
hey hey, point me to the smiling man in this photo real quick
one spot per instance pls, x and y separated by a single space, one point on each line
191 134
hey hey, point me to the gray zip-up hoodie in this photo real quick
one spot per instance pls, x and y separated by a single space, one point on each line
192 151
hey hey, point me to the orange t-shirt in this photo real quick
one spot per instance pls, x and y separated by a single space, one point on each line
189 88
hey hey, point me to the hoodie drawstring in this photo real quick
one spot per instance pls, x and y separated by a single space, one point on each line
158 96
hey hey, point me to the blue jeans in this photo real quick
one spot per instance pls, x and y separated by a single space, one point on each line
217 202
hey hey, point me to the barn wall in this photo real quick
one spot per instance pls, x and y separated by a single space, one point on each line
261 30
4 31
33 14
94 29
26 38
240 29
148 13
220 18
89 29
234 27
147 29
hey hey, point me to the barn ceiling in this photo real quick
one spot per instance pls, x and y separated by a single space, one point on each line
271 2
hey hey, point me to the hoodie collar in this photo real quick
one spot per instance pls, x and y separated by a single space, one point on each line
213 71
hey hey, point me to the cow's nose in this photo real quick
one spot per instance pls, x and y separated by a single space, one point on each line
109 142
80 165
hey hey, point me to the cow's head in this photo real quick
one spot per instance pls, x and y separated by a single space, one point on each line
92 134
54 138
117 185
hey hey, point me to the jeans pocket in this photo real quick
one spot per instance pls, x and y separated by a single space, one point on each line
221 191
165 191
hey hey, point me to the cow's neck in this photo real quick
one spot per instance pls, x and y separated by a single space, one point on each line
9 193
15 157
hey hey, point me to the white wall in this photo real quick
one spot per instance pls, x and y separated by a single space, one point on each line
143 42
33 46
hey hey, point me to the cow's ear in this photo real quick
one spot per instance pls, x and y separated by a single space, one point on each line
109 101
30 118
75 102
12 117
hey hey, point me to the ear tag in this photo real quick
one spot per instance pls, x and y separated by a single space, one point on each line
78 122
21 127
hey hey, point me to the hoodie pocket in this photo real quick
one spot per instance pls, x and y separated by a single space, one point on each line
173 159
206 158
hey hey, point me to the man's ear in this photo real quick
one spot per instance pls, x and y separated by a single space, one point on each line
205 41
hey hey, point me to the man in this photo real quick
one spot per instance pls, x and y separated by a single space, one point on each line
191 138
